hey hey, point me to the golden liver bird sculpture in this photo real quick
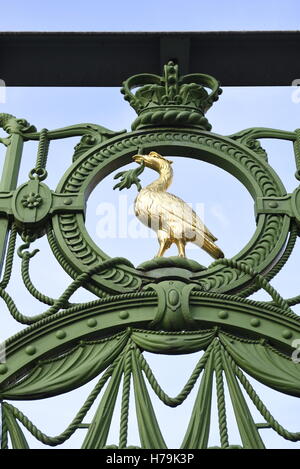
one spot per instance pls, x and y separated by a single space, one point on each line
173 220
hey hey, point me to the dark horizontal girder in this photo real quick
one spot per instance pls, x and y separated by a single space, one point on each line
236 58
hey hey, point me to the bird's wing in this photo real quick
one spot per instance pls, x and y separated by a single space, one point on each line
175 206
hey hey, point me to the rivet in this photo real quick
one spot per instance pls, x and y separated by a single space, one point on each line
255 322
286 334
123 314
3 369
68 201
273 204
223 315
61 334
92 322
30 350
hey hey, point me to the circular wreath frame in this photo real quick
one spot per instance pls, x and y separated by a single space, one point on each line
78 252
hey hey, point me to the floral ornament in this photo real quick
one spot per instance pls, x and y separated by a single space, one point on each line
31 200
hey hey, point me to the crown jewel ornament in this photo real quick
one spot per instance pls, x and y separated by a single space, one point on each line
171 99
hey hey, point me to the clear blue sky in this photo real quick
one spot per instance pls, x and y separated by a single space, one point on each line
226 211
154 15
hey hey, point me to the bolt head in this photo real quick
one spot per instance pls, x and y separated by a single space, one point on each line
30 350
92 322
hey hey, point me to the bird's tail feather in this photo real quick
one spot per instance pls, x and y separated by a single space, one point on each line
210 247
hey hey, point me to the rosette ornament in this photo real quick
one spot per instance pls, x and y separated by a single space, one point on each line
171 99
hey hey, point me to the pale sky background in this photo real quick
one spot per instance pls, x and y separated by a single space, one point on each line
154 15
228 208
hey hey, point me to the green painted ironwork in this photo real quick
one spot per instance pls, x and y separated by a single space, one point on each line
170 306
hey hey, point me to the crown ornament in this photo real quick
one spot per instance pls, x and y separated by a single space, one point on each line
171 99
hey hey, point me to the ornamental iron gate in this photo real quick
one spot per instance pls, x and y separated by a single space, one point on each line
167 305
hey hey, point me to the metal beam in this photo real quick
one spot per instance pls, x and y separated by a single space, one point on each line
236 58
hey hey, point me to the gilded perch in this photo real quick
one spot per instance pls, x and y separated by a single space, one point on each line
173 220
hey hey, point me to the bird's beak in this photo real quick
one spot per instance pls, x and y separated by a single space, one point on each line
138 158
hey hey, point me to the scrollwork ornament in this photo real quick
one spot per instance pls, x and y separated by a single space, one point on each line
11 124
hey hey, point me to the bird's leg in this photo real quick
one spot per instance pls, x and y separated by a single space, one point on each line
181 247
162 249
164 242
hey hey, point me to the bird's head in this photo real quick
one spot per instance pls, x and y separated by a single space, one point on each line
153 160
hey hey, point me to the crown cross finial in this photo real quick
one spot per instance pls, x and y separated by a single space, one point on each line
171 99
